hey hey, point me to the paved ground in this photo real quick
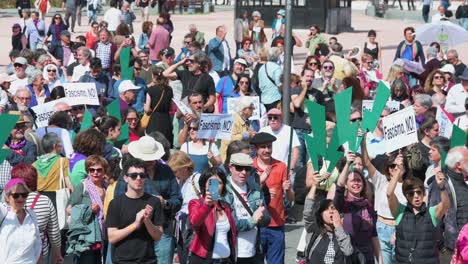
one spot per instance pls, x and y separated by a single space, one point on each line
389 34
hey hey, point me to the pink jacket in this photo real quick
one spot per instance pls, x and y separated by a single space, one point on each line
461 248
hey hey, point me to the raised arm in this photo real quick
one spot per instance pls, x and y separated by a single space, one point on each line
170 72
298 100
396 175
344 173
365 157
309 215
444 204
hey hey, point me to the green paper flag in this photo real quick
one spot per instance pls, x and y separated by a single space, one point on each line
346 131
333 155
316 145
87 121
458 139
126 72
113 109
8 123
312 150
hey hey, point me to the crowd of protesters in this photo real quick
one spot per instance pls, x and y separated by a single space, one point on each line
73 189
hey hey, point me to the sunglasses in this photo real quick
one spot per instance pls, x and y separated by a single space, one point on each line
312 63
190 61
272 117
240 168
18 65
328 67
51 70
188 42
356 119
413 192
437 77
93 170
392 166
20 126
18 195
193 128
135 175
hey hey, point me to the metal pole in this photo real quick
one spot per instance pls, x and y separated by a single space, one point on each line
287 64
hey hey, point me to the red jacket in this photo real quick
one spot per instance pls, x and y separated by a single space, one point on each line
202 219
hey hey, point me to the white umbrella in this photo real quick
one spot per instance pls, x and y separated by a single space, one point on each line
444 32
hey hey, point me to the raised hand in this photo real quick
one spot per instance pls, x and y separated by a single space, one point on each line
208 198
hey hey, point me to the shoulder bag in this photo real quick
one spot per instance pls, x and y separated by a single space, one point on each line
220 97
62 195
145 119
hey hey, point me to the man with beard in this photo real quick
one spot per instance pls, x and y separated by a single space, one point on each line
273 174
195 101
22 100
195 79
22 150
84 56
227 83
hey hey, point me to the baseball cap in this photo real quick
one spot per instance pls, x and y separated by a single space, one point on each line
274 111
241 61
241 159
127 85
21 60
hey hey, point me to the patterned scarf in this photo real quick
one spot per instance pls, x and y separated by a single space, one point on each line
96 198
414 47
330 254
16 147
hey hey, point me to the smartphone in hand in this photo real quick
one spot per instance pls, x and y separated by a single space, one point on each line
213 187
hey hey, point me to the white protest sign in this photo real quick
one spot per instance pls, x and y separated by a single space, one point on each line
400 129
232 106
392 105
81 93
445 125
183 108
214 126
45 111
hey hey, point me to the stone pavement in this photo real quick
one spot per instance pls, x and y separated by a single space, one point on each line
389 34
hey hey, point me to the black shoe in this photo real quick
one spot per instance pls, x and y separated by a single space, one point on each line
290 220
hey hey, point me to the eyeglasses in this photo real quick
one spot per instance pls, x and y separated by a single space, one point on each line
193 128
356 119
367 62
93 170
328 67
18 195
23 98
18 65
240 168
135 175
413 192
312 63
51 70
273 117
437 77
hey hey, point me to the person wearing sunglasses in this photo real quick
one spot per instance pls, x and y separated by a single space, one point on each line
203 154
88 198
52 76
20 65
272 174
22 149
314 65
369 75
314 38
327 83
435 83
20 240
249 214
417 232
134 219
18 39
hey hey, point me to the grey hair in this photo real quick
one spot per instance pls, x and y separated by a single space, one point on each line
86 52
42 58
34 75
7 193
424 100
454 52
431 52
256 13
49 141
454 156
22 89
274 54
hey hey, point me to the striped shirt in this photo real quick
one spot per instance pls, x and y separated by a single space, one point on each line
47 221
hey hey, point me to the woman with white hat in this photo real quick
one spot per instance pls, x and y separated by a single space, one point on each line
278 23
5 81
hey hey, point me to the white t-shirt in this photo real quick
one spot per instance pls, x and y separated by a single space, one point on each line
381 202
18 83
79 71
195 150
245 240
112 17
281 145
221 247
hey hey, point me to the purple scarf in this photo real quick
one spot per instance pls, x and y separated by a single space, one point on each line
96 198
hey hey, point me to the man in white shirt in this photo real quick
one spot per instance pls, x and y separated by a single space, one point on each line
282 132
21 78
83 55
112 17
455 100
439 15
375 141
250 212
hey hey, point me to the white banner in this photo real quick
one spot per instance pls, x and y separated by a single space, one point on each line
45 111
183 108
81 93
400 129
445 126
214 126
232 106
369 104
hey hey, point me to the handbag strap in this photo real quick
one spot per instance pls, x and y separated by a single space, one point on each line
269 77
224 84
35 201
242 201
159 102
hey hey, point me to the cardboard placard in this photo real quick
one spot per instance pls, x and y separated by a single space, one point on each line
81 93
45 111
400 129
215 126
